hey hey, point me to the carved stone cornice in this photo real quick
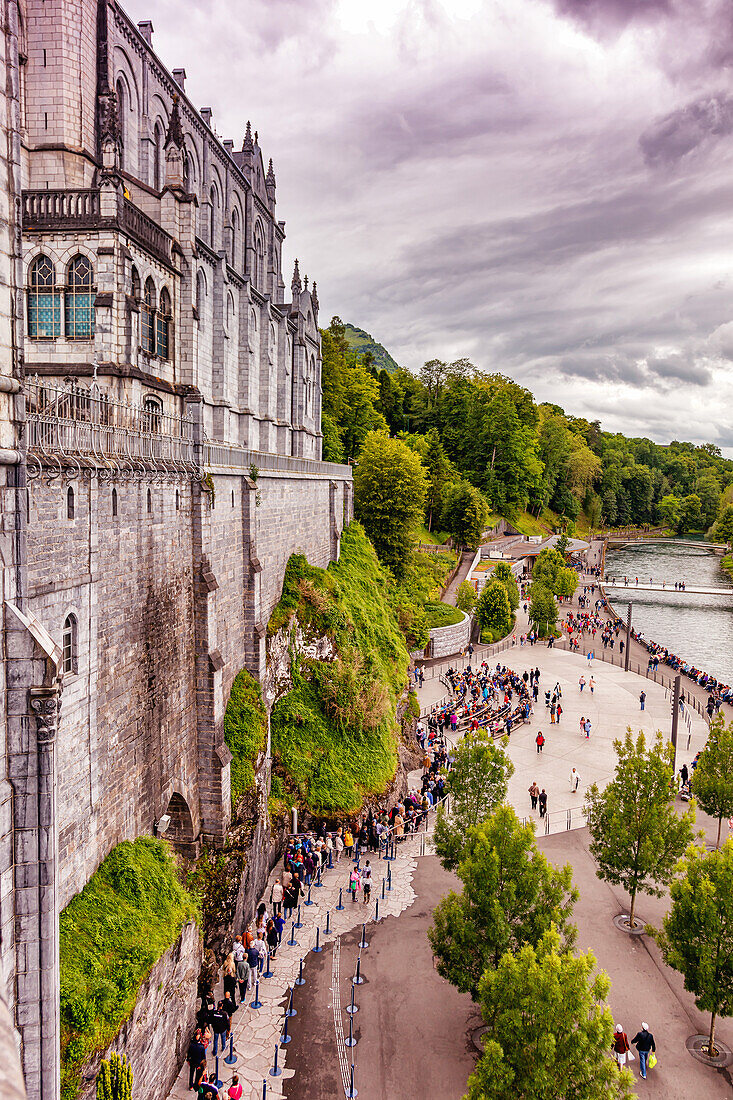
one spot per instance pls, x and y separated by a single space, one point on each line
46 704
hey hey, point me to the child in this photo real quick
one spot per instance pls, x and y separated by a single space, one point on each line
235 1089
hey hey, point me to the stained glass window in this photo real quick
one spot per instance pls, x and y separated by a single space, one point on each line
79 305
44 301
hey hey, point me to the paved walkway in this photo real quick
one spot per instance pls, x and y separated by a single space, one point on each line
451 593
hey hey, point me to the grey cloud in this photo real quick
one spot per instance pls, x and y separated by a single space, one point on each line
680 368
602 368
671 138
611 14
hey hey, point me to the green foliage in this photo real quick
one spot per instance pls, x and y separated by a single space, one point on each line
465 513
245 731
413 705
542 609
548 1026
511 896
333 734
551 573
111 935
466 597
722 529
697 938
350 393
477 783
503 574
333 448
442 614
114 1080
365 345
389 497
636 835
713 779
422 580
492 610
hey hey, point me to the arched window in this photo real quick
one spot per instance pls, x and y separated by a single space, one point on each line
235 237
158 157
232 498
114 502
214 196
201 299
150 501
79 306
70 504
70 643
44 301
231 312
162 326
259 259
147 318
121 117
272 345
186 171
135 285
178 500
153 410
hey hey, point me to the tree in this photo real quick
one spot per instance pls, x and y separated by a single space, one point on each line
690 514
389 496
466 597
477 783
511 896
707 488
542 609
492 610
503 574
722 529
114 1080
637 837
465 512
437 469
713 777
697 936
547 569
332 448
548 1026
670 510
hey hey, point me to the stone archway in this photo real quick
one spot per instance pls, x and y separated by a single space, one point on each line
180 831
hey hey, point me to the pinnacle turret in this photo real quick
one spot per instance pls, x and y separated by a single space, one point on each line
175 127
296 285
247 145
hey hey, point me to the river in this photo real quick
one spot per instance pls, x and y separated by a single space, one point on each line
697 628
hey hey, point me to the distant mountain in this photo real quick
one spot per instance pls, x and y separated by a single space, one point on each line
362 343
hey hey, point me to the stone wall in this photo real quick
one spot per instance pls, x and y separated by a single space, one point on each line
447 640
156 1035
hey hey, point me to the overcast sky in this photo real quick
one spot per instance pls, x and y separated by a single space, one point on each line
543 186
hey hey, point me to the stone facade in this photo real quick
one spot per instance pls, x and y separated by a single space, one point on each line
160 401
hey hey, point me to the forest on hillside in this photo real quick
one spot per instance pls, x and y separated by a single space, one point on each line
487 432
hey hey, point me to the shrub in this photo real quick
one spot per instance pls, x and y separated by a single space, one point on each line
245 731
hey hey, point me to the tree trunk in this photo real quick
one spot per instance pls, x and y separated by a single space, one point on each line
711 1038
633 906
720 826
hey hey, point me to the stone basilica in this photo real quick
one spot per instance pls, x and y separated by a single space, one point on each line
160 406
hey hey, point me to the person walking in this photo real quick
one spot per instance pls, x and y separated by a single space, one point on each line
644 1043
229 971
534 794
642 699
581 684
366 881
574 780
543 802
592 685
276 898
195 1055
540 741
582 725
243 972
354 883
587 728
559 712
620 1046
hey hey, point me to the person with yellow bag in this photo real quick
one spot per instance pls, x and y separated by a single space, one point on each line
646 1047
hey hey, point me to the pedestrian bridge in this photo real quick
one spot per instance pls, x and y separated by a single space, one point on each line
618 585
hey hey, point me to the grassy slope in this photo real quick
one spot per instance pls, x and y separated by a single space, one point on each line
112 934
434 538
442 614
245 731
362 342
334 734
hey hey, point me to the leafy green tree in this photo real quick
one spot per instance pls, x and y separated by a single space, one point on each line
114 1080
562 544
389 497
465 512
511 896
670 510
359 415
567 582
636 835
333 449
547 569
549 1028
690 514
697 936
466 597
437 469
492 610
713 779
708 490
477 783
722 529
503 574
542 609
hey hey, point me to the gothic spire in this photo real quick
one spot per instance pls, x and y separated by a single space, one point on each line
247 145
175 127
305 285
296 285
314 298
270 178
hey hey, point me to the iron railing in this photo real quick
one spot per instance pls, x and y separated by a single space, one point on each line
225 455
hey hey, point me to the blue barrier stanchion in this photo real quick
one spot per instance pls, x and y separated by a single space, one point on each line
356 852
309 899
330 859
353 1091
394 848
340 905
275 1071
290 1011
351 1008
216 1043
285 1038
389 877
292 942
268 973
231 1057
256 1003
264 1090
327 929
318 882
351 1041
363 941
217 1080
384 884
357 979
300 980
317 949
298 923
376 913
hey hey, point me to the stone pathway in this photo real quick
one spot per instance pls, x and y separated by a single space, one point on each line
256 1032
451 592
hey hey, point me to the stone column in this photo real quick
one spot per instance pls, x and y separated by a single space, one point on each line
45 703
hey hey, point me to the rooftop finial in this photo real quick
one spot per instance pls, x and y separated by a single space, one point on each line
296 286
247 143
175 126
314 298
305 285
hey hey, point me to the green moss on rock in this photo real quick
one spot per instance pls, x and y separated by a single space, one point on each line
245 732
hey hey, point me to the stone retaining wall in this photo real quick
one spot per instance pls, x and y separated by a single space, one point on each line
445 640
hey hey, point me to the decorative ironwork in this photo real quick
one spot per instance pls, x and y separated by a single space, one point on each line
75 429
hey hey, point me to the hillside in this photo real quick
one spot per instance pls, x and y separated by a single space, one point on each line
362 343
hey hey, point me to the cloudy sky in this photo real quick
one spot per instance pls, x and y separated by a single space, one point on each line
544 186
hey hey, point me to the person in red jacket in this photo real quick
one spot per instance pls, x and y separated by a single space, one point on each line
540 741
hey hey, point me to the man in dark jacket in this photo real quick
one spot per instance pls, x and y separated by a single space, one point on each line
195 1055
644 1043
